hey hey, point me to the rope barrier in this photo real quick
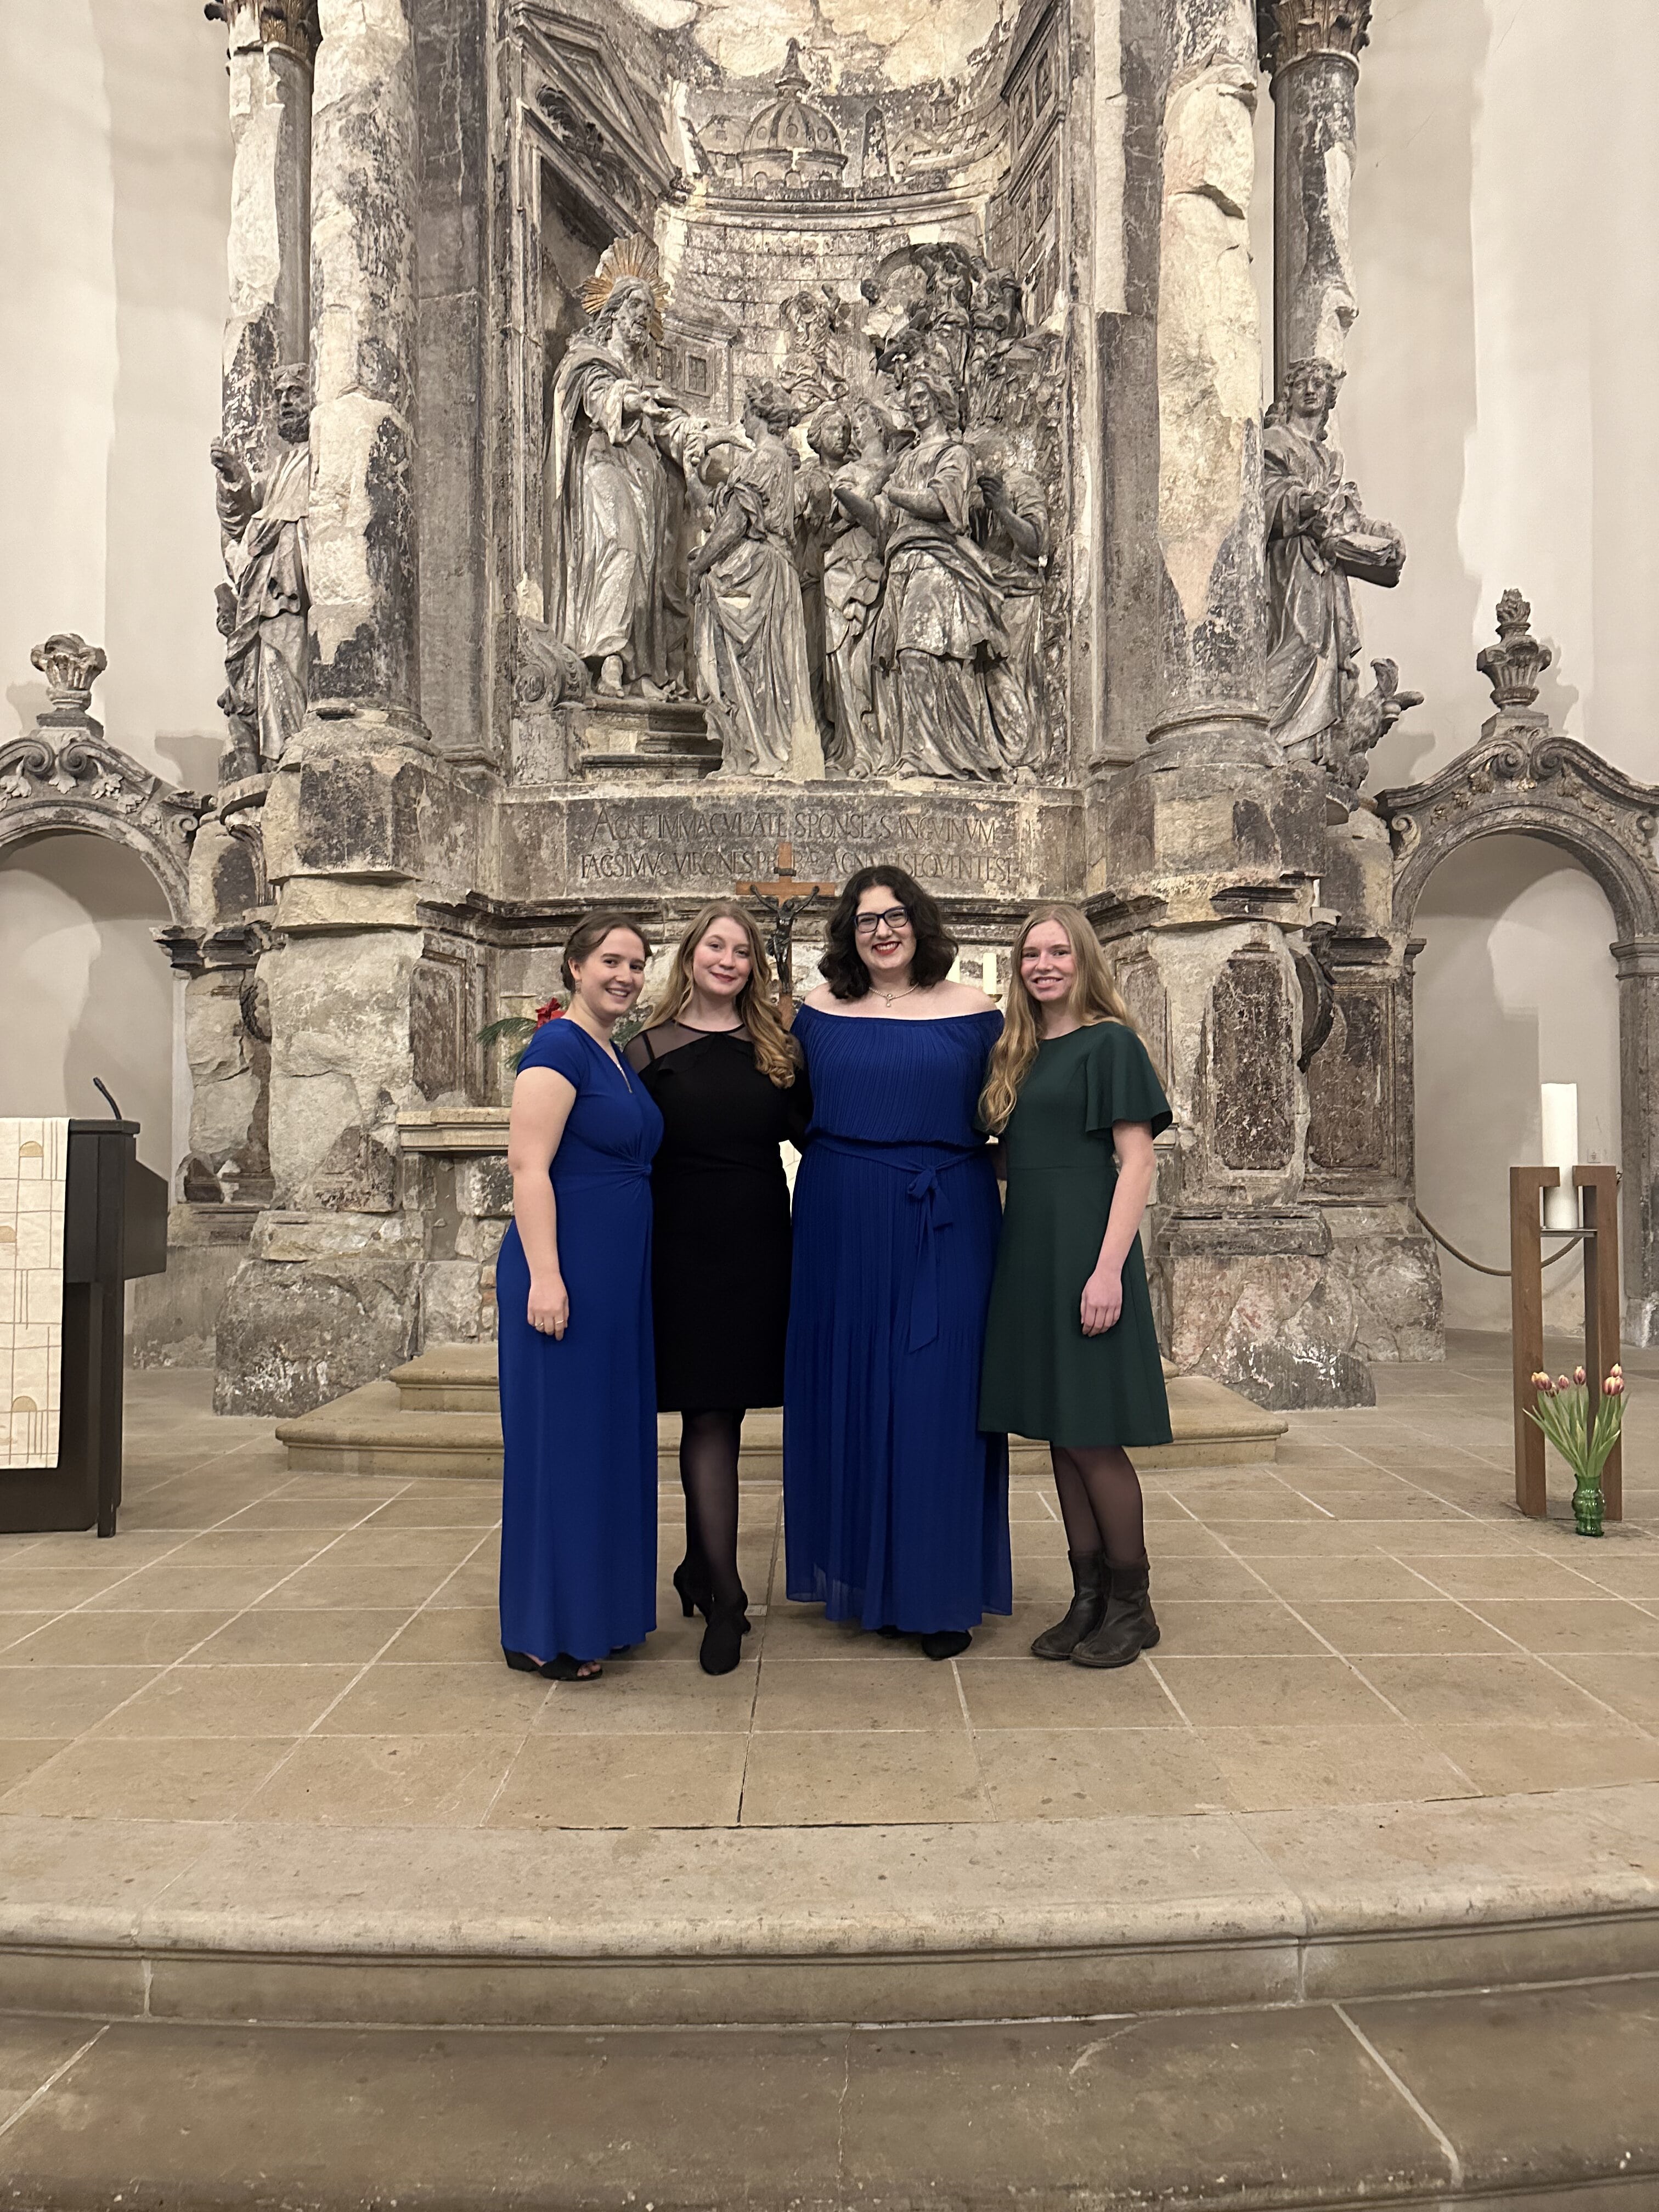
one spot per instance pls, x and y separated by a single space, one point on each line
1445 1244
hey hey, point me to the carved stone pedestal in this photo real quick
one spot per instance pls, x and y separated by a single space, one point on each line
639 740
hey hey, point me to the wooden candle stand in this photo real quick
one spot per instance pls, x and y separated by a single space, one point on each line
1599 1189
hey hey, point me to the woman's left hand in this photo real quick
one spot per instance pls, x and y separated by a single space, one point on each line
1102 1301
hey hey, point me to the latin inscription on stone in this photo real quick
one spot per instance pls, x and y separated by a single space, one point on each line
667 843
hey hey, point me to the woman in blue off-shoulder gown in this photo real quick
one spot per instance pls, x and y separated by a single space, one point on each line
896 1507
573 1292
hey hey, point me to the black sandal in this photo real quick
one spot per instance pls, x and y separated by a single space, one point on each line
560 1669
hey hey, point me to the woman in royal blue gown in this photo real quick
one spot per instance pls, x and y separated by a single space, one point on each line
895 1508
573 1292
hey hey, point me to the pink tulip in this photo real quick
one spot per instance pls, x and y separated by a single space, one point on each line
1579 1376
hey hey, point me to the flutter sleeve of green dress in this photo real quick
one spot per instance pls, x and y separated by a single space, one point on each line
1121 1083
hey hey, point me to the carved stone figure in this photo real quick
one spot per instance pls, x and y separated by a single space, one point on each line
1011 527
1318 537
851 587
939 626
263 526
747 622
615 434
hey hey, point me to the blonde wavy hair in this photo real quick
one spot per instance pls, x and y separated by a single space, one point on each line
1094 998
776 1054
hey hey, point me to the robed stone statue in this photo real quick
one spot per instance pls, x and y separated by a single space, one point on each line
615 434
264 609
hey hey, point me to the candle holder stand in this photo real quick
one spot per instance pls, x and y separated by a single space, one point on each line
1598 1189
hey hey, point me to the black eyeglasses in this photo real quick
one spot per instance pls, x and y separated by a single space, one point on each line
893 918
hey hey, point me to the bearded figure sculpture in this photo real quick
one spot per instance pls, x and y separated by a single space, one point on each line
615 435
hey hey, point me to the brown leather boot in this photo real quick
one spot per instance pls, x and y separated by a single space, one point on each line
1088 1606
1129 1626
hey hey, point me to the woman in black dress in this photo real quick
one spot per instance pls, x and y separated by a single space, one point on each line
728 1080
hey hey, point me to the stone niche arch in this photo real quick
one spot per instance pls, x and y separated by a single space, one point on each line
1525 780
52 781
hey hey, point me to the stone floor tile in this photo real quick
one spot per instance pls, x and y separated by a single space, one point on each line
1261 1498
1476 1686
113 1639
1626 1574
121 1778
278 1549
1629 1682
15 1626
632 1698
800 1632
305 1637
1573 1623
527 2119
61 1701
471 1585
456 1697
1086 1774
1284 2100
442 1505
389 1781
1267 1767
1462 2056
872 1778
378 1548
361 1588
166 1587
20 1757
1501 1758
1025 1693
1251 1692
1396 1624
1517 1576
623 1781
25 1589
1405 1540
1210 1624
1212 1577
1366 1575
31 2051
235 1701
287 1514
801 1694
459 1632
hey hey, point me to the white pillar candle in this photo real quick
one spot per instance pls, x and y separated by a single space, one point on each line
1558 1114
988 975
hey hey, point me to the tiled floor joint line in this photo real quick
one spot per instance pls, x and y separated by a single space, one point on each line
1448 2149
51 2080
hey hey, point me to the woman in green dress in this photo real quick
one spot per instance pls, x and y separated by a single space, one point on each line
1070 1354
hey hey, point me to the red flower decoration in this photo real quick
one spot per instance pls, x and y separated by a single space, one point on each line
550 1013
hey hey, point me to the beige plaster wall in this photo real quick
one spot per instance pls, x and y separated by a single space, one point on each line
1498 409
114 178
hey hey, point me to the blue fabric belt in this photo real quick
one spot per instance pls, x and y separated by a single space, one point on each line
925 1186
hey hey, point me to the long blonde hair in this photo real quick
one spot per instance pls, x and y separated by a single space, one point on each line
776 1054
1094 998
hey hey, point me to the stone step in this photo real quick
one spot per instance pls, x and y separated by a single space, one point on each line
437 1415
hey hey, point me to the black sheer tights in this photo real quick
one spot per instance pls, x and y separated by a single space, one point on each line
1100 1502
709 1474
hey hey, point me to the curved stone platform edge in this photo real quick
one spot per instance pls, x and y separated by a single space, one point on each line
1014 1920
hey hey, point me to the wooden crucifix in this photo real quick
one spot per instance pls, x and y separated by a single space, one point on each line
786 900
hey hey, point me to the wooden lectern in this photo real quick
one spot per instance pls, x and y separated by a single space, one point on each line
1599 1190
115 1227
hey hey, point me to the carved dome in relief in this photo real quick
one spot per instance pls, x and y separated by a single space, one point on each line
790 142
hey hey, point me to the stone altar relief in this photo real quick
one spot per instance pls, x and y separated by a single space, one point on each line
803 476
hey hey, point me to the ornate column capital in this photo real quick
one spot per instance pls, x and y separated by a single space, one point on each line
291 25
1290 30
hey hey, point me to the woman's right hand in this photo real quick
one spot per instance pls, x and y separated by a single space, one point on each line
549 1306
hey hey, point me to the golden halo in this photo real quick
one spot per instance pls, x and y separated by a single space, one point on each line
627 257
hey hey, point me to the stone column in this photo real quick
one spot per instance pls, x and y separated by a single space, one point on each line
1636 961
359 824
1311 49
1210 843
270 48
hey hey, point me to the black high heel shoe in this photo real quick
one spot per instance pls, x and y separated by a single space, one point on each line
722 1640
694 1595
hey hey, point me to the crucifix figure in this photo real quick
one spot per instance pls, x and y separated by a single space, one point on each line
786 901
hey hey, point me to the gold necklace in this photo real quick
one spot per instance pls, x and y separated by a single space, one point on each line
891 998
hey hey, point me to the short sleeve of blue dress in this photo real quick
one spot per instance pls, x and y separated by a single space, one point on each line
557 1045
1121 1083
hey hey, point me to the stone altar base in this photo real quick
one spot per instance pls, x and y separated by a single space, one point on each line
439 1415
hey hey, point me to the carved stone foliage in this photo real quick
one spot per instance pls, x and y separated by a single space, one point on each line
64 775
1290 30
289 24
1514 664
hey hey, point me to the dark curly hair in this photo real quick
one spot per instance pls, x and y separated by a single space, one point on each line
588 935
845 973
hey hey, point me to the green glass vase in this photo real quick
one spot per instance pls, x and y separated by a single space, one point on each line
1587 1505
